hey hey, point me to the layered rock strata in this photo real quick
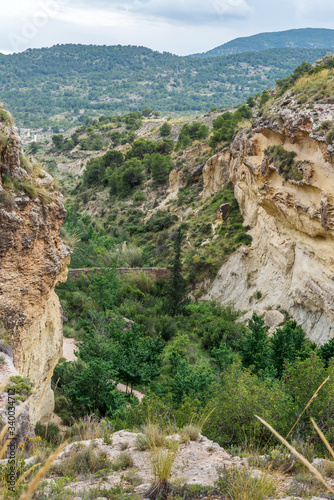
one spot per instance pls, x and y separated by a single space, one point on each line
290 264
33 260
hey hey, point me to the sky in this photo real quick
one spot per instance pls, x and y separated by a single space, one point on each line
178 26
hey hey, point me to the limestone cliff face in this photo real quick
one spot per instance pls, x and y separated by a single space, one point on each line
290 263
32 261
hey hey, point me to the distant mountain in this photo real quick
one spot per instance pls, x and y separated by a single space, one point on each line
62 85
306 38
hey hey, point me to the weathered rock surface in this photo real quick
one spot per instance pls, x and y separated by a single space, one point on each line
22 429
33 260
291 259
195 463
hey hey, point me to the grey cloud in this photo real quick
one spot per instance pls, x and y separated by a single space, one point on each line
184 11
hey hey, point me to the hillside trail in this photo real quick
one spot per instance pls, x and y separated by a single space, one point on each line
69 348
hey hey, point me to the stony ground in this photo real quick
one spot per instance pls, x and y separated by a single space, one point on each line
196 464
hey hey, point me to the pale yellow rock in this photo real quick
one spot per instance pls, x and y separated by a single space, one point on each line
33 260
291 259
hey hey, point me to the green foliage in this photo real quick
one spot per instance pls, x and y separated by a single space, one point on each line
49 432
103 287
159 166
177 288
264 98
285 162
110 77
238 483
22 387
4 116
123 181
165 129
241 396
83 460
287 344
191 132
254 347
285 83
225 126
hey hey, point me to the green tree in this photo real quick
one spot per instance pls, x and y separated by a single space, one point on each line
104 286
254 347
165 129
177 288
287 344
160 167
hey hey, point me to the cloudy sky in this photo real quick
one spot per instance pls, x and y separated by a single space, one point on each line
178 26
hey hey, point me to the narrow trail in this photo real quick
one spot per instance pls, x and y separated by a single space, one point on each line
69 354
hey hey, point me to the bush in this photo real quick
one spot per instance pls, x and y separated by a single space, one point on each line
49 432
246 395
83 460
123 461
238 483
165 129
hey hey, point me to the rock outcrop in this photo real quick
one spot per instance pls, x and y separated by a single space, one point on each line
33 260
290 264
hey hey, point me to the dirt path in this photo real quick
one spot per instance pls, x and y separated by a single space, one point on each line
69 354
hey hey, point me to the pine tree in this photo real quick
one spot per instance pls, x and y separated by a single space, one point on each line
177 288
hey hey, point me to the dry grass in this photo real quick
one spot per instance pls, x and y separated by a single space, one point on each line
317 87
82 460
162 461
152 437
238 483
19 464
191 432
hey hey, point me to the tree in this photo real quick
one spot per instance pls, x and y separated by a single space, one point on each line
33 147
104 287
165 129
160 167
202 132
287 344
254 347
58 141
177 288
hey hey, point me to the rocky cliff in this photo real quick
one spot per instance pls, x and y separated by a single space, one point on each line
283 175
32 261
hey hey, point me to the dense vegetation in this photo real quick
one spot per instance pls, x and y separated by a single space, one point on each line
184 360
304 38
62 85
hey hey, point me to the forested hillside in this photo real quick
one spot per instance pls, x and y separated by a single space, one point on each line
312 38
62 85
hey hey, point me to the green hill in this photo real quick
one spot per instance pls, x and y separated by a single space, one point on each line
62 85
307 38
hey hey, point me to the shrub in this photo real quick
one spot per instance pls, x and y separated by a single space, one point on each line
245 395
165 129
162 462
82 460
132 256
238 483
191 431
123 461
49 432
285 162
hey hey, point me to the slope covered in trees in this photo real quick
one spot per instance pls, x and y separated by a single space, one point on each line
61 85
307 38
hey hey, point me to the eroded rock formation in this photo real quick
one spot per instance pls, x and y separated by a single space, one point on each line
33 260
290 264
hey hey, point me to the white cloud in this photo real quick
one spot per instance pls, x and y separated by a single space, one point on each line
308 7
185 11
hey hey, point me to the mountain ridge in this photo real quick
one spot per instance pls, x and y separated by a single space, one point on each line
294 38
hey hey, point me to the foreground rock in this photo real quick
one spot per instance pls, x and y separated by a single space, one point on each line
32 261
195 463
